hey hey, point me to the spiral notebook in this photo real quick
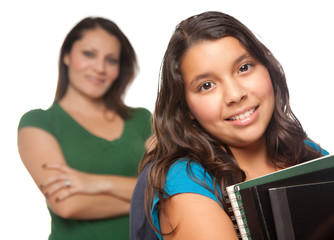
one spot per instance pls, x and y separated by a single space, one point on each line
250 201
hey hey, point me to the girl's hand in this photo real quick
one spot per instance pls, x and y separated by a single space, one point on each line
68 182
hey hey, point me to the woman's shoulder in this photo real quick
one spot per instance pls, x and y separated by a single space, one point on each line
140 113
140 122
36 118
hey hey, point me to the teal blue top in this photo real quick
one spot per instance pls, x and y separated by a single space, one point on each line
192 179
89 153
185 179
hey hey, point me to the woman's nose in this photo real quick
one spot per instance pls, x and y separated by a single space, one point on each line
99 65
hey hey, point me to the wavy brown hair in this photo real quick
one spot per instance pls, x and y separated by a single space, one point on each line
128 63
180 136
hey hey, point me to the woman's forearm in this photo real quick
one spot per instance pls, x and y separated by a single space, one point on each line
90 207
89 196
117 186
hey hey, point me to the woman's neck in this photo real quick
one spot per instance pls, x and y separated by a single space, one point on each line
92 115
73 102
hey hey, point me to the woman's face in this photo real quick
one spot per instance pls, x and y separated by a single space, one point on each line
228 91
93 63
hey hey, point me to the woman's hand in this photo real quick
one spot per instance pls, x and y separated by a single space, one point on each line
69 182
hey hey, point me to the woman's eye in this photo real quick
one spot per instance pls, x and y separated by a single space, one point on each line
206 86
89 54
112 60
245 68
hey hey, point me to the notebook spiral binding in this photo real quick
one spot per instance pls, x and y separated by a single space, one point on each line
237 213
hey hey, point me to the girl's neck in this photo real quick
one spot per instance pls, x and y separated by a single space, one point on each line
254 160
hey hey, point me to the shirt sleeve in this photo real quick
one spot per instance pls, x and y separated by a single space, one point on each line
315 146
186 178
34 118
143 117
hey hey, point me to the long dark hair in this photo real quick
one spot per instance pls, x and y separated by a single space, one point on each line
128 63
180 136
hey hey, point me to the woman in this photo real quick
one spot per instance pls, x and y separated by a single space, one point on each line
83 152
222 116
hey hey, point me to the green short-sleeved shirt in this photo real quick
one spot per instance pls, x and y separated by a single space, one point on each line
89 153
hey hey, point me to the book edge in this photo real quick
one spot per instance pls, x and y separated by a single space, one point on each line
306 166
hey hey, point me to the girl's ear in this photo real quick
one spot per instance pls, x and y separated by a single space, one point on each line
66 59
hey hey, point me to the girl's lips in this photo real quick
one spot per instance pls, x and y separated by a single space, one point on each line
243 115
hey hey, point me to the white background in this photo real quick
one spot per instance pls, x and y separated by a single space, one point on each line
299 33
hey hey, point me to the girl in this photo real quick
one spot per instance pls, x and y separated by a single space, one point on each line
83 152
222 116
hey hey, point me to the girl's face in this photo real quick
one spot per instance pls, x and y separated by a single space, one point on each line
228 91
93 63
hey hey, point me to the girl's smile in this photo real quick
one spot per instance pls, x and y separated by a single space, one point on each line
245 118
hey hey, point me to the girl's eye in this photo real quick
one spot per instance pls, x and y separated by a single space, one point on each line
245 68
206 86
88 54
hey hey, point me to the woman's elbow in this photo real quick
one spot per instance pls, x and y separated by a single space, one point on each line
63 210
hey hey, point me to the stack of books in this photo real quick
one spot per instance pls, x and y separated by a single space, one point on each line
293 203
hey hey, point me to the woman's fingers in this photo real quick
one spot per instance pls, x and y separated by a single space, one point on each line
52 180
65 193
59 167
60 183
58 187
69 181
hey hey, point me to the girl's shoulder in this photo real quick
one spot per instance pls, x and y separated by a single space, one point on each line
187 176
183 167
316 147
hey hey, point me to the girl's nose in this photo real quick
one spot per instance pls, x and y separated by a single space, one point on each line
234 92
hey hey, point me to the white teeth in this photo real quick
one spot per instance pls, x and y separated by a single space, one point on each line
243 115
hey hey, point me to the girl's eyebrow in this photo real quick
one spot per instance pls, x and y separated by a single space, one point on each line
241 58
206 75
199 78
